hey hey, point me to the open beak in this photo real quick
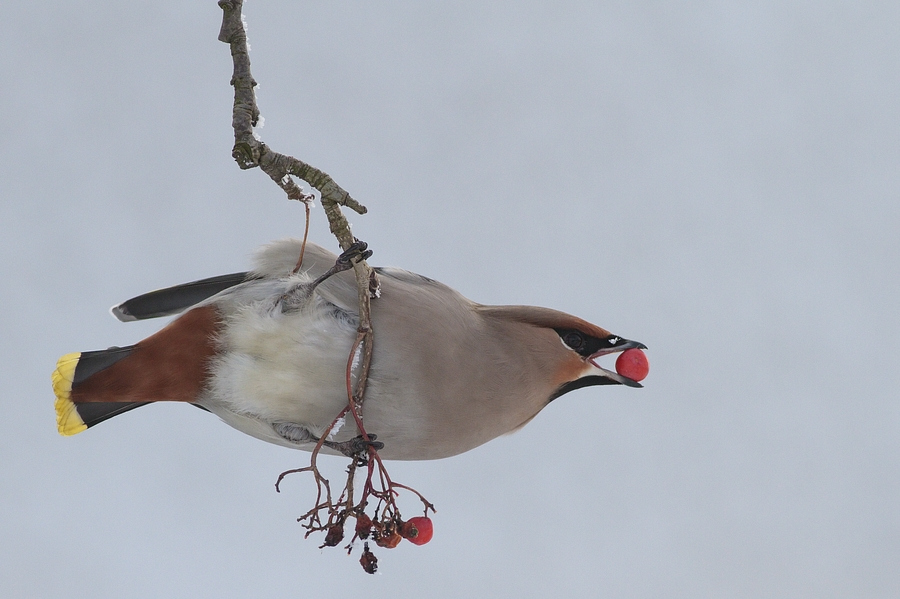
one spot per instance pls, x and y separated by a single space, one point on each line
615 377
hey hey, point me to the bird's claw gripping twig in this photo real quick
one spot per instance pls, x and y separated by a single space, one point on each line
356 448
358 250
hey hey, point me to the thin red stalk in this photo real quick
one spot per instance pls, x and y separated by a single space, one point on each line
305 236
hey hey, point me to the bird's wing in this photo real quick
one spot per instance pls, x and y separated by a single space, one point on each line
173 300
274 261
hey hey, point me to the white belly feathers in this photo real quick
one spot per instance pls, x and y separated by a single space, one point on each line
280 366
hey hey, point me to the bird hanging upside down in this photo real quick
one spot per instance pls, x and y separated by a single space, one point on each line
267 352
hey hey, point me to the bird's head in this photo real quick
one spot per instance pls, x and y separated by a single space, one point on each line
569 348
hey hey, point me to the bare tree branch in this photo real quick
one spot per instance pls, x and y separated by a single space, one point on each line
249 152
387 527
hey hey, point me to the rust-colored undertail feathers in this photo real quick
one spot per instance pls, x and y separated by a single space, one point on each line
93 386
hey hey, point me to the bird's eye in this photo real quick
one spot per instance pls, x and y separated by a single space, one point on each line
574 339
580 342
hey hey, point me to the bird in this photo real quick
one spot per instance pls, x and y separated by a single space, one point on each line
267 351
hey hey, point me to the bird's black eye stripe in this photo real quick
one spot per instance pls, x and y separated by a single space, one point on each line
586 345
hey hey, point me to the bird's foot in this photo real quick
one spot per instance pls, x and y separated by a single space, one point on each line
356 448
295 433
295 297
356 252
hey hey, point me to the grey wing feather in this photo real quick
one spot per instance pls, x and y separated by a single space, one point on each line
274 261
173 300
280 257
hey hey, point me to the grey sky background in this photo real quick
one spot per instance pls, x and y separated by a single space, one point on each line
717 180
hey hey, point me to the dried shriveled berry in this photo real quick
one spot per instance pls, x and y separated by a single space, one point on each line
368 561
363 526
388 540
418 530
334 535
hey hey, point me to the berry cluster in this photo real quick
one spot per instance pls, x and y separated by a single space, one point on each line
385 526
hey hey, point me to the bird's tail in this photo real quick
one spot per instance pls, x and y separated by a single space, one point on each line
171 365
76 410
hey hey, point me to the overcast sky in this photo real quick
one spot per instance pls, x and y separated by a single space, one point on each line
717 180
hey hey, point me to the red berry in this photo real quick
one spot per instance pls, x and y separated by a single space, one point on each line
633 364
418 530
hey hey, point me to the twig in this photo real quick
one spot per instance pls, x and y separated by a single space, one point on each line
249 152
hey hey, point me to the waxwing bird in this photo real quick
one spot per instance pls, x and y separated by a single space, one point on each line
267 351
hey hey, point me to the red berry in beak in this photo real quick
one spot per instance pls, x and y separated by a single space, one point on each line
633 364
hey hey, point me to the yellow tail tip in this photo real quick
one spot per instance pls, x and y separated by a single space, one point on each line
67 419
